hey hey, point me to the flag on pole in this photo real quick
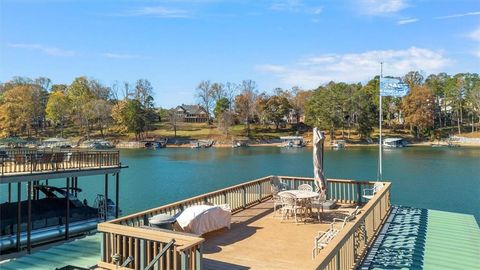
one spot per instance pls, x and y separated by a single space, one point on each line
393 87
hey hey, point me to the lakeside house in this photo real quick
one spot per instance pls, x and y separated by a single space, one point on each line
192 113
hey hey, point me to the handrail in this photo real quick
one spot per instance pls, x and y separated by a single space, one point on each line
136 240
29 161
159 255
334 247
182 241
195 198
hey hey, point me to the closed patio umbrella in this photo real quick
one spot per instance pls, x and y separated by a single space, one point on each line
318 139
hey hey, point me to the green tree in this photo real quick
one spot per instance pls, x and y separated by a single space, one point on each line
80 95
222 105
58 109
366 109
277 108
130 116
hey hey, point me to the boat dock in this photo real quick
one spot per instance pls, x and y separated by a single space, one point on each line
35 168
381 236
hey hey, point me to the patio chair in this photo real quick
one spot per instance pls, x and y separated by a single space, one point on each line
277 182
368 193
277 200
290 205
347 218
305 187
318 203
323 238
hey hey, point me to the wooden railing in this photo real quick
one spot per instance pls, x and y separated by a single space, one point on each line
127 237
33 161
349 247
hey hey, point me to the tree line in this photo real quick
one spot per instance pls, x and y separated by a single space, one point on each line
436 105
30 106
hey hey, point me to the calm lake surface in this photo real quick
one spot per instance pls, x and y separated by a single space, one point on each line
435 178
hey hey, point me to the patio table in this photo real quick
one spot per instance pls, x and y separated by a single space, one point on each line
303 195
300 194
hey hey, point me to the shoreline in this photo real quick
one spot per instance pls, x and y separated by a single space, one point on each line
417 144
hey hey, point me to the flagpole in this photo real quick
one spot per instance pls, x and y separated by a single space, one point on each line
379 176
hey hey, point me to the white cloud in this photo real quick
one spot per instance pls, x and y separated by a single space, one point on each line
382 7
160 12
474 13
295 6
407 21
119 55
356 67
44 49
475 35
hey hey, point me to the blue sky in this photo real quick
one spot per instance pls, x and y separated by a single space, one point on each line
278 43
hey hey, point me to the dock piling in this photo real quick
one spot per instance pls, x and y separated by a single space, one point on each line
29 217
106 197
19 212
117 188
67 214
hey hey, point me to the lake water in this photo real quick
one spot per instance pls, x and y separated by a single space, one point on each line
435 178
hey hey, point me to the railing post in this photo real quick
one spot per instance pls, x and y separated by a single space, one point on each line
102 248
244 201
259 192
359 194
142 253
337 261
224 197
198 257
184 260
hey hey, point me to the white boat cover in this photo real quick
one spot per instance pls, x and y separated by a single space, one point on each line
200 219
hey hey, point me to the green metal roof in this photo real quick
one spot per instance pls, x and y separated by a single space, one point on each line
84 252
415 238
452 241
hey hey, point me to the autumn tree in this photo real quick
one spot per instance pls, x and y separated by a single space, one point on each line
261 107
19 109
245 103
58 109
418 108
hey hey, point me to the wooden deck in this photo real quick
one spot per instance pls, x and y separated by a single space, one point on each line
258 240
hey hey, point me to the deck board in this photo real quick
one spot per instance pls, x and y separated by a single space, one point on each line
257 240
